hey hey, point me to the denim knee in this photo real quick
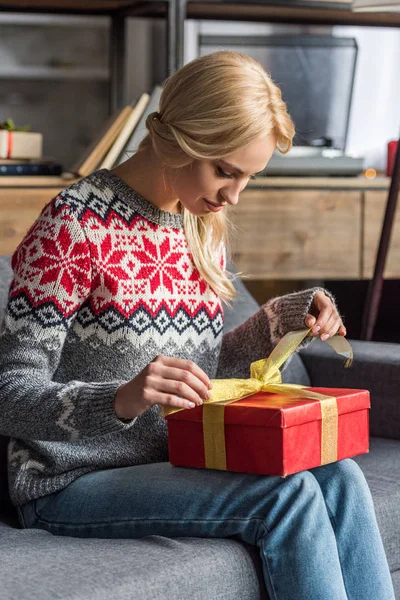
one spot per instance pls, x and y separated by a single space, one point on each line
303 483
293 505
350 474
298 490
344 481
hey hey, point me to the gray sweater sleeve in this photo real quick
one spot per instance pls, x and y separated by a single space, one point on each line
32 404
257 336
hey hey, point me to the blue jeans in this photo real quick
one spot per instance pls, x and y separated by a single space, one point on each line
316 530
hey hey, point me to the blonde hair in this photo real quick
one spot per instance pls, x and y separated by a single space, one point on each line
209 109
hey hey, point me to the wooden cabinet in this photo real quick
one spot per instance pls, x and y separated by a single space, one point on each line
374 212
298 234
285 228
19 208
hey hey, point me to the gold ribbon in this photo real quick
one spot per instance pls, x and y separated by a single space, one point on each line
265 376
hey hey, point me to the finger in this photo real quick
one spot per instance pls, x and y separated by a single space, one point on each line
342 330
174 374
314 328
187 365
331 328
325 314
335 329
170 400
309 320
333 317
195 392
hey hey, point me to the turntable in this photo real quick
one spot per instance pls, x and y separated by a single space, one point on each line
316 75
314 161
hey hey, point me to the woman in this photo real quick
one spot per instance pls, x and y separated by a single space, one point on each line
115 309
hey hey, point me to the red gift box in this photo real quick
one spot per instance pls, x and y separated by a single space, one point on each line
267 433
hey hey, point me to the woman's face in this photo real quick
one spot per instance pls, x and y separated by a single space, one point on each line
220 182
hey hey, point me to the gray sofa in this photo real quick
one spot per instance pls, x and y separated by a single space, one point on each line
35 565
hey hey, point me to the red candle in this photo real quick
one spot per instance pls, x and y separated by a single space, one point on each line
391 155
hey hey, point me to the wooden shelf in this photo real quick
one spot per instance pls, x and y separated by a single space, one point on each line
51 20
360 183
310 13
282 11
66 6
36 182
317 12
54 73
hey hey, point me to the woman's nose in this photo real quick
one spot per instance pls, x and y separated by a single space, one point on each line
231 194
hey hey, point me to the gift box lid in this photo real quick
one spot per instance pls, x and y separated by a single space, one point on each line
265 409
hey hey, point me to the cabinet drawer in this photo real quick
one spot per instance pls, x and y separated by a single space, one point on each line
298 234
375 206
19 208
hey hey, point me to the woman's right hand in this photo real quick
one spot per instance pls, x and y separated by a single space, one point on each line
167 381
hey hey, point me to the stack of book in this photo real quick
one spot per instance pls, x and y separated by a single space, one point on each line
119 138
115 143
29 166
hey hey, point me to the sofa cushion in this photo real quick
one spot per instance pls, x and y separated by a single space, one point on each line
243 306
5 280
376 368
6 507
294 371
396 583
381 467
36 564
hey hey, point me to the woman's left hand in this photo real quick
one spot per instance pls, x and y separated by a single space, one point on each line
327 321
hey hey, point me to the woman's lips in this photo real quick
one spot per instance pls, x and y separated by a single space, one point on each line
212 207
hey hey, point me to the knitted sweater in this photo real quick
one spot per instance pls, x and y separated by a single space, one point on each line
103 283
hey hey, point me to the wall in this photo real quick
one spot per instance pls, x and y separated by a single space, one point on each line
375 114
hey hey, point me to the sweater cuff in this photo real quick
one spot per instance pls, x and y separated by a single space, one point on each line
287 313
100 402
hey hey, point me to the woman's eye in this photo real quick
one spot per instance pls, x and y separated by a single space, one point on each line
222 173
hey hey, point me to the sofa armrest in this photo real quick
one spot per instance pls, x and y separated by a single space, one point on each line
376 367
